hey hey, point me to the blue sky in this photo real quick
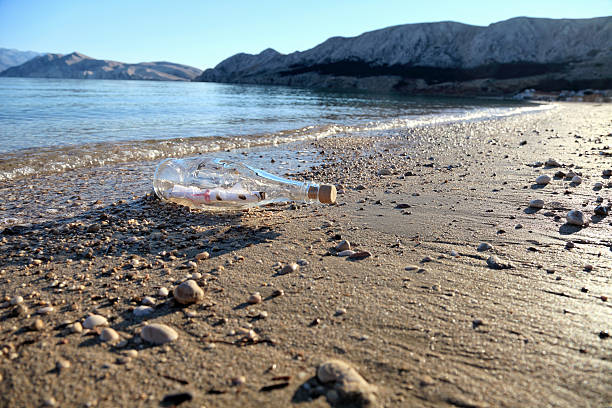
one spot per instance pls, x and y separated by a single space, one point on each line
203 33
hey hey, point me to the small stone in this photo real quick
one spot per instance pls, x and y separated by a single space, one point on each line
577 180
599 199
94 321
37 325
340 311
552 163
543 180
196 275
148 301
454 253
601 210
75 327
570 245
16 300
360 255
607 173
131 353
604 334
427 259
588 267
484 246
142 311
384 172
190 313
62 364
495 263
188 292
163 292
350 387
93 228
571 174
109 335
536 204
343 246
598 186
238 381
346 252
50 402
278 293
560 174
202 256
263 314
254 299
45 310
289 268
518 226
576 217
158 334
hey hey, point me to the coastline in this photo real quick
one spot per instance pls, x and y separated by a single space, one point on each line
451 331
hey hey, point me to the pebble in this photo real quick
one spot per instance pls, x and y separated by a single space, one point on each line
202 256
412 268
538 204
237 381
518 226
560 174
158 334
16 300
50 402
142 311
75 327
188 292
109 335
543 180
343 246
348 386
346 252
254 299
577 180
38 325
454 253
607 173
163 292
598 186
601 210
484 246
62 364
45 310
360 255
289 268
576 217
384 172
552 163
94 321
495 263
148 301
340 311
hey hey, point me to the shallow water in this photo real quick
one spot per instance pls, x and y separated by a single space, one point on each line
52 125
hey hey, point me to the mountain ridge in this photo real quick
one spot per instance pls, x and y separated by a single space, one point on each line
80 66
441 57
10 57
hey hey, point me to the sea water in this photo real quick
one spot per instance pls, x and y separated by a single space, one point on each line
54 125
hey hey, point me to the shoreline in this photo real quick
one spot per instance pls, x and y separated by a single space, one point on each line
425 319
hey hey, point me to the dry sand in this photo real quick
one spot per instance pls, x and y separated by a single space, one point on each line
424 319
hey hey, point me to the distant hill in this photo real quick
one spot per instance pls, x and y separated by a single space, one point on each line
10 58
79 66
443 58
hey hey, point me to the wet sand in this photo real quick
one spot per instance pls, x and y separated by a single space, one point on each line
425 319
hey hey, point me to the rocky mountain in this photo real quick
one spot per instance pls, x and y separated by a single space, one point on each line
79 66
10 58
443 58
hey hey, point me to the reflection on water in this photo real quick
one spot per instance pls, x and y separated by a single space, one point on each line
58 124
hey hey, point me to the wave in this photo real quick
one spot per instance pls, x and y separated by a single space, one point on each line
39 161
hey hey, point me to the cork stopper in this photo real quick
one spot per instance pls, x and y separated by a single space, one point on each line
325 193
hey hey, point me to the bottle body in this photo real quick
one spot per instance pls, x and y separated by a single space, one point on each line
214 183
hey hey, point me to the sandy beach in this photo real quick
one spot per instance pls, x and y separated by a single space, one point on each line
463 295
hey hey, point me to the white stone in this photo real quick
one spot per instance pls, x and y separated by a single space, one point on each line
16 300
162 292
148 301
142 311
46 310
347 252
576 217
188 292
484 246
537 204
109 335
577 179
158 334
543 180
94 321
